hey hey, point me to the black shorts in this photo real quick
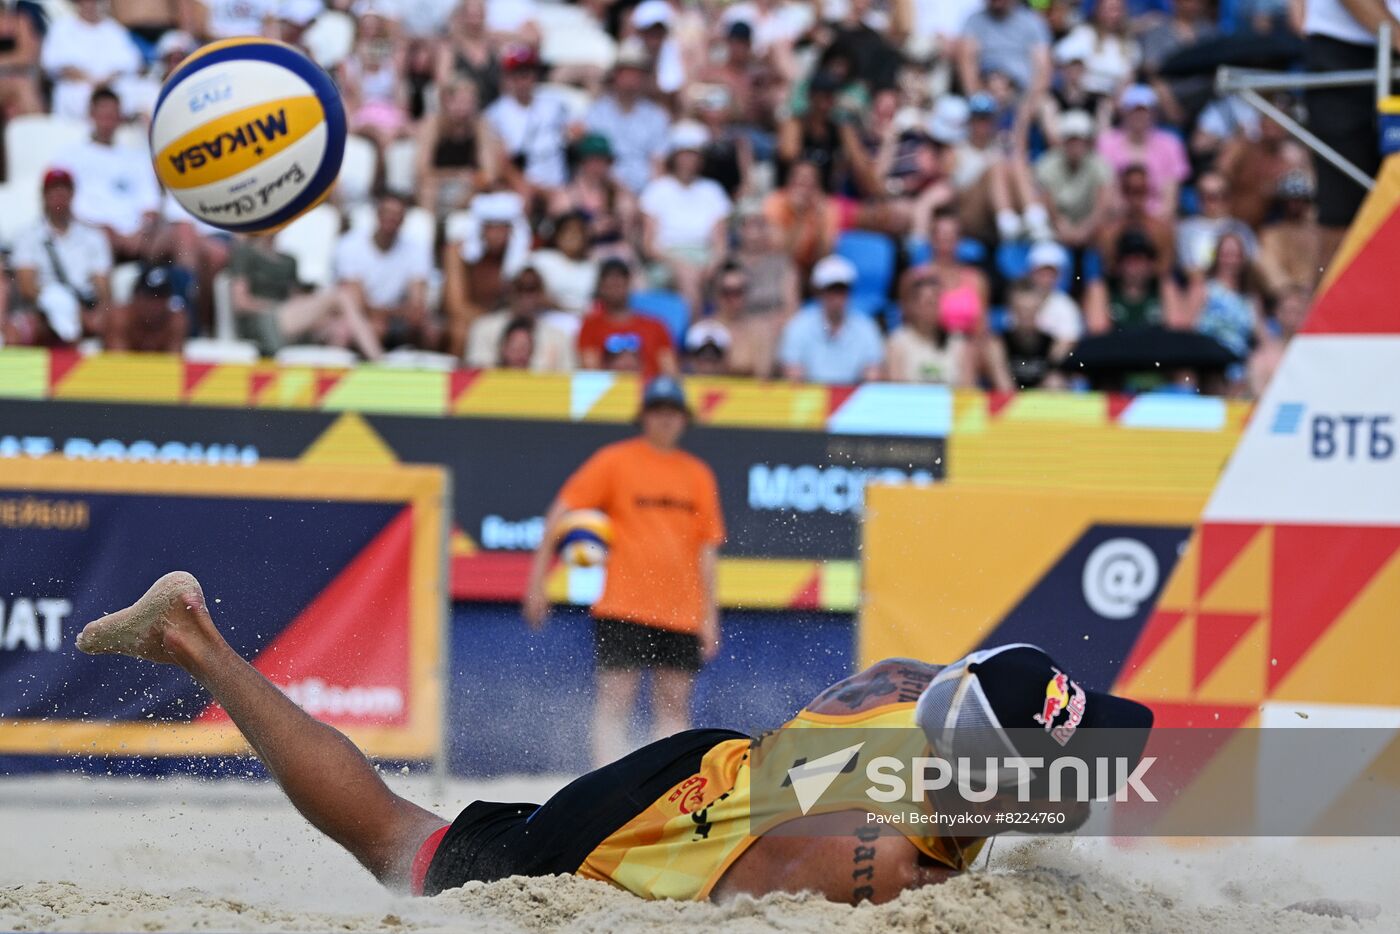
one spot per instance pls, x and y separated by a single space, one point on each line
490 841
1345 119
626 646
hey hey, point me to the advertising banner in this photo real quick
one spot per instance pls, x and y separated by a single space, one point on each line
952 568
791 499
330 581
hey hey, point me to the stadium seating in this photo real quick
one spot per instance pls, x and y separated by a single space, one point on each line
212 350
874 257
21 204
33 141
315 355
357 172
667 307
311 239
401 166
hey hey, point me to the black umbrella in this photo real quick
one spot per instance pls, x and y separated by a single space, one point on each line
1275 51
1144 349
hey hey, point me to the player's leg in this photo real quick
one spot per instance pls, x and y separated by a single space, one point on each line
670 700
612 712
327 779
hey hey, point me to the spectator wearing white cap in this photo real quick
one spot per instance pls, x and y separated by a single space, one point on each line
684 215
83 52
707 345
654 22
1075 181
827 342
634 126
1058 315
481 257
1138 141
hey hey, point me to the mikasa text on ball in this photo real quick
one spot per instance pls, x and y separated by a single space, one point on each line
248 134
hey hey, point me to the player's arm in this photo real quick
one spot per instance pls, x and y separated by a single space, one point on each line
536 604
709 623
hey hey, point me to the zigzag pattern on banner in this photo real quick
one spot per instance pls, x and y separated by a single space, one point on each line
880 408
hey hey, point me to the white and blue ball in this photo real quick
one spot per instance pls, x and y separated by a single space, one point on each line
248 134
582 538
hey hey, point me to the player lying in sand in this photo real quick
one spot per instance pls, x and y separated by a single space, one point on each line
668 821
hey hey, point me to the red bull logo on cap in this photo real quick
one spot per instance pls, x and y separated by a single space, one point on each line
1061 696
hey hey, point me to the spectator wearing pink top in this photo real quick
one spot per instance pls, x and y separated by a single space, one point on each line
1139 141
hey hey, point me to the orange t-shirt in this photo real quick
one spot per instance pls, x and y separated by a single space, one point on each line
664 507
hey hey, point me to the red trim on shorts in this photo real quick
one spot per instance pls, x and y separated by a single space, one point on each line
418 875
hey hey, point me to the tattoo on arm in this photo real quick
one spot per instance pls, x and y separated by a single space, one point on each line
863 865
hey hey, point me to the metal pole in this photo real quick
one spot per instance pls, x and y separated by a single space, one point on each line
1308 138
1231 80
1383 71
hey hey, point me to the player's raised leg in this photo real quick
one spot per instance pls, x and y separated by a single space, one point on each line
326 777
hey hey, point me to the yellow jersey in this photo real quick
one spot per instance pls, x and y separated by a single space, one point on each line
685 840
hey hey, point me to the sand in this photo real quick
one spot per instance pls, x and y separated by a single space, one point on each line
102 854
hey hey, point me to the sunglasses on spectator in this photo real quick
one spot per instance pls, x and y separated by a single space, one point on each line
623 343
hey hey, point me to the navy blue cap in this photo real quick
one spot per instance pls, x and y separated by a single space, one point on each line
982 104
664 391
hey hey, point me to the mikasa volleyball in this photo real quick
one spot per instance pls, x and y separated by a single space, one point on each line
248 134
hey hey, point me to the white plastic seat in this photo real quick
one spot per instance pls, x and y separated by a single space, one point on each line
409 359
357 171
21 206
311 239
132 136
401 167
315 355
330 38
223 308
123 282
34 141
576 99
586 45
213 350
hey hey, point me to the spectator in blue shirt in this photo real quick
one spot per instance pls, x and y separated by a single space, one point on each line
827 342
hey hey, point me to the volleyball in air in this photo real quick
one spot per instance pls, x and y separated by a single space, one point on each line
582 538
248 134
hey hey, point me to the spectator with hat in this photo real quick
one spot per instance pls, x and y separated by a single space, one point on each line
1289 245
1075 182
61 268
529 126
595 192
707 346
480 258
614 336
634 126
684 215
829 342
653 21
154 320
1056 312
1137 140
658 612
1135 293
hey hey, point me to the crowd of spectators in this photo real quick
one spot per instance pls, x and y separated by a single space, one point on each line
971 192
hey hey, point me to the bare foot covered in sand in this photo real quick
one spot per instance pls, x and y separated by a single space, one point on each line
169 621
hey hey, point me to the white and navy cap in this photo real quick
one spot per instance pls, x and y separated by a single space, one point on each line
1015 700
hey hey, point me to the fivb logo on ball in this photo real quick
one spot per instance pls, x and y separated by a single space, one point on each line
248 134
